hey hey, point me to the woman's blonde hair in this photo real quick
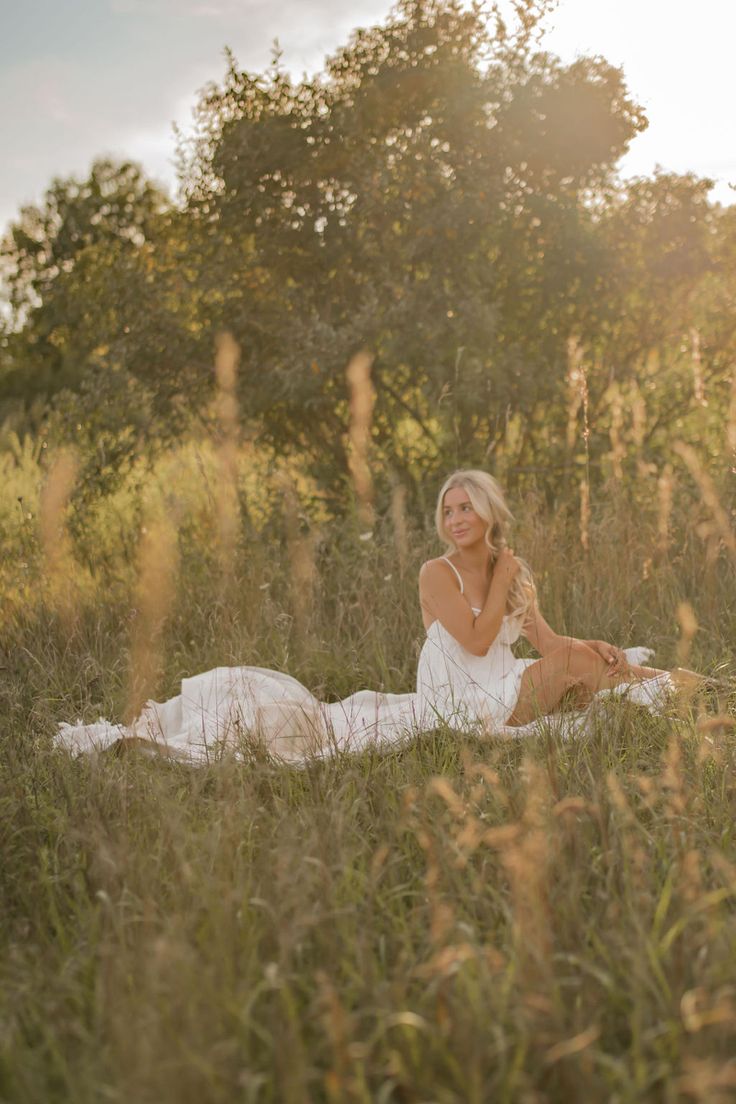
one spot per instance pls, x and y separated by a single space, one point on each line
487 499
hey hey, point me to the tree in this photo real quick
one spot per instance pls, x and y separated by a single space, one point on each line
431 197
443 194
68 266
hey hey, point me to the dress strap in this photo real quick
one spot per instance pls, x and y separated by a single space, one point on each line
457 573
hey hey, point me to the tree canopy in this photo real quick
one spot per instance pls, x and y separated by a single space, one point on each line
443 195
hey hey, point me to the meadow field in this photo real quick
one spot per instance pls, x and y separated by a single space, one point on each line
459 920
224 419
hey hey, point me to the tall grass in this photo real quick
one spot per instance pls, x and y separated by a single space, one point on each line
456 921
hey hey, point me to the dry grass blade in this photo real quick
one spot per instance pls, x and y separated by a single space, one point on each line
576 387
710 496
155 590
362 399
59 566
708 1080
688 623
400 529
585 515
697 365
227 358
721 722
526 860
618 448
731 421
665 492
303 570
572 1046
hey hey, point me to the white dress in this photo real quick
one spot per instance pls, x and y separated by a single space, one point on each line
244 711
462 689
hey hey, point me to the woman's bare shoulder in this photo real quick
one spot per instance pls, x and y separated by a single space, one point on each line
437 576
433 567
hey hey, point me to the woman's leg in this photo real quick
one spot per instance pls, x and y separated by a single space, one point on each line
573 665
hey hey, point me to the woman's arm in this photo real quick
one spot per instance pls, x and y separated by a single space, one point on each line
442 601
539 634
545 640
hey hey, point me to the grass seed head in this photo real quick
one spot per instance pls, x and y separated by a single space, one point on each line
227 504
731 421
58 558
400 529
576 389
697 367
300 541
618 448
688 623
585 515
665 492
158 560
709 495
362 399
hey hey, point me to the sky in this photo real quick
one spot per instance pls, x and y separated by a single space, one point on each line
85 78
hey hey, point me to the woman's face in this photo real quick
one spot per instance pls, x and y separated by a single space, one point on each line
463 526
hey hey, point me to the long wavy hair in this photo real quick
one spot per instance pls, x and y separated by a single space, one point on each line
487 499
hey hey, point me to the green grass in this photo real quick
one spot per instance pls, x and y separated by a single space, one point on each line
455 921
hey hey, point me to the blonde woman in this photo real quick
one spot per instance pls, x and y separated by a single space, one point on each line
476 601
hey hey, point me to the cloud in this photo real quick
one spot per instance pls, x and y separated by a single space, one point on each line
116 81
110 76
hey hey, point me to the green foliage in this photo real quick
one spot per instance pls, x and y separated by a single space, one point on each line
67 268
443 195
421 200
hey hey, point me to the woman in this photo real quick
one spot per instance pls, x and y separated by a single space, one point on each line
476 601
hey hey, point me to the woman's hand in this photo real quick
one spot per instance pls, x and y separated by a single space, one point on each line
614 657
506 567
